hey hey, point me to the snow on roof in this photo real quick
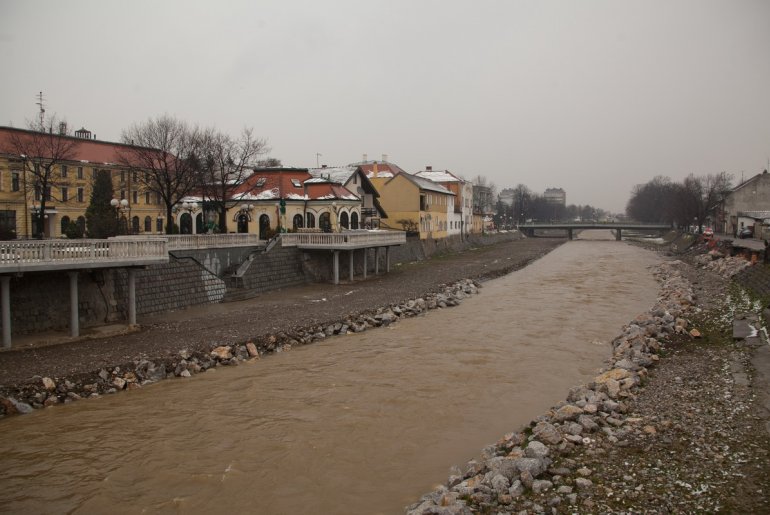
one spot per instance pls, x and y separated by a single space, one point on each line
384 175
437 176
295 196
426 184
317 180
338 174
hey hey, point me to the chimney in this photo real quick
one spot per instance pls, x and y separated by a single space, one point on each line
323 166
366 158
384 158
374 169
428 168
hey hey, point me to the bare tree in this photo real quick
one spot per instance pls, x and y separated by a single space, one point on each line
167 152
43 149
521 202
700 195
226 163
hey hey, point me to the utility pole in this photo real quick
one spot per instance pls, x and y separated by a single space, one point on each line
317 155
41 105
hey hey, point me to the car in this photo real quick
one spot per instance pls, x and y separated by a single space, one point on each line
746 232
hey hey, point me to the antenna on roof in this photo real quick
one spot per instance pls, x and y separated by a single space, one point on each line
41 105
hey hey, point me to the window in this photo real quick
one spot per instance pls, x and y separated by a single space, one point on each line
159 225
37 192
47 193
296 183
135 175
122 176
146 197
7 224
157 198
93 172
80 172
15 181
63 171
147 224
310 220
136 197
64 195
80 195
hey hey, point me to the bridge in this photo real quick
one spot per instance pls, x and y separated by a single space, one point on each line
530 227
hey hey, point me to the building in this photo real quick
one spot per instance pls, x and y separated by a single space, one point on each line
355 180
73 163
507 196
414 204
555 196
279 199
747 204
460 218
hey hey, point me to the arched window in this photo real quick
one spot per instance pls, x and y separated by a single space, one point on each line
310 217
65 221
325 222
344 221
264 226
354 220
243 223
297 222
147 224
135 225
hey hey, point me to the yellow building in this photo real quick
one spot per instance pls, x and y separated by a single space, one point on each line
76 162
412 203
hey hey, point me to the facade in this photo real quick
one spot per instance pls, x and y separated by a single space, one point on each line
744 205
68 196
507 196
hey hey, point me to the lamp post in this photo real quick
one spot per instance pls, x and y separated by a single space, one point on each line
121 208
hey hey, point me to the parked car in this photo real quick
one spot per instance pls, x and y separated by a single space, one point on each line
746 232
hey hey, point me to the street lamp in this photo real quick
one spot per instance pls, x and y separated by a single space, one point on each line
121 207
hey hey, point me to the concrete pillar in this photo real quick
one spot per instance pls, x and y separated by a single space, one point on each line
569 233
131 296
336 266
351 265
387 259
617 234
5 295
74 318
366 251
376 260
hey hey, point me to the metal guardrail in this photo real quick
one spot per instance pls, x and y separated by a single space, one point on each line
342 240
58 254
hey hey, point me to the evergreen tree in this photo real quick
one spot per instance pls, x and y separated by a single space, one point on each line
100 215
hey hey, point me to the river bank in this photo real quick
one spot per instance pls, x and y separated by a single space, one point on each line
677 422
186 342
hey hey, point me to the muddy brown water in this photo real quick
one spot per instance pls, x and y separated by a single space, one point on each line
362 423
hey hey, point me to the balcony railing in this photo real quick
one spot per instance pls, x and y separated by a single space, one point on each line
62 254
200 241
344 240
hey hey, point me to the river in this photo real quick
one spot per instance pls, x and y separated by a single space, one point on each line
362 423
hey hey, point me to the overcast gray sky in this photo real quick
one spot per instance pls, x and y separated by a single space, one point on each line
590 96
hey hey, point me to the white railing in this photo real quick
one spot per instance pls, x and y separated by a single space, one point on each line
200 241
361 238
29 252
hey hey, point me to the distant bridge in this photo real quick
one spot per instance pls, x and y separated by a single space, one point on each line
530 228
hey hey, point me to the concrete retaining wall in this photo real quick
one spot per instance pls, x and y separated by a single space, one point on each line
217 261
279 268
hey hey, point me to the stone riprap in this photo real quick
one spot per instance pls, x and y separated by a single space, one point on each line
47 391
725 266
520 464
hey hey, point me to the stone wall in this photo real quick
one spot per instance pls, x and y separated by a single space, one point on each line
278 268
755 278
179 284
219 260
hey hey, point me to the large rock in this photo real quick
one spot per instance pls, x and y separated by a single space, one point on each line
568 412
223 352
546 432
536 449
49 384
